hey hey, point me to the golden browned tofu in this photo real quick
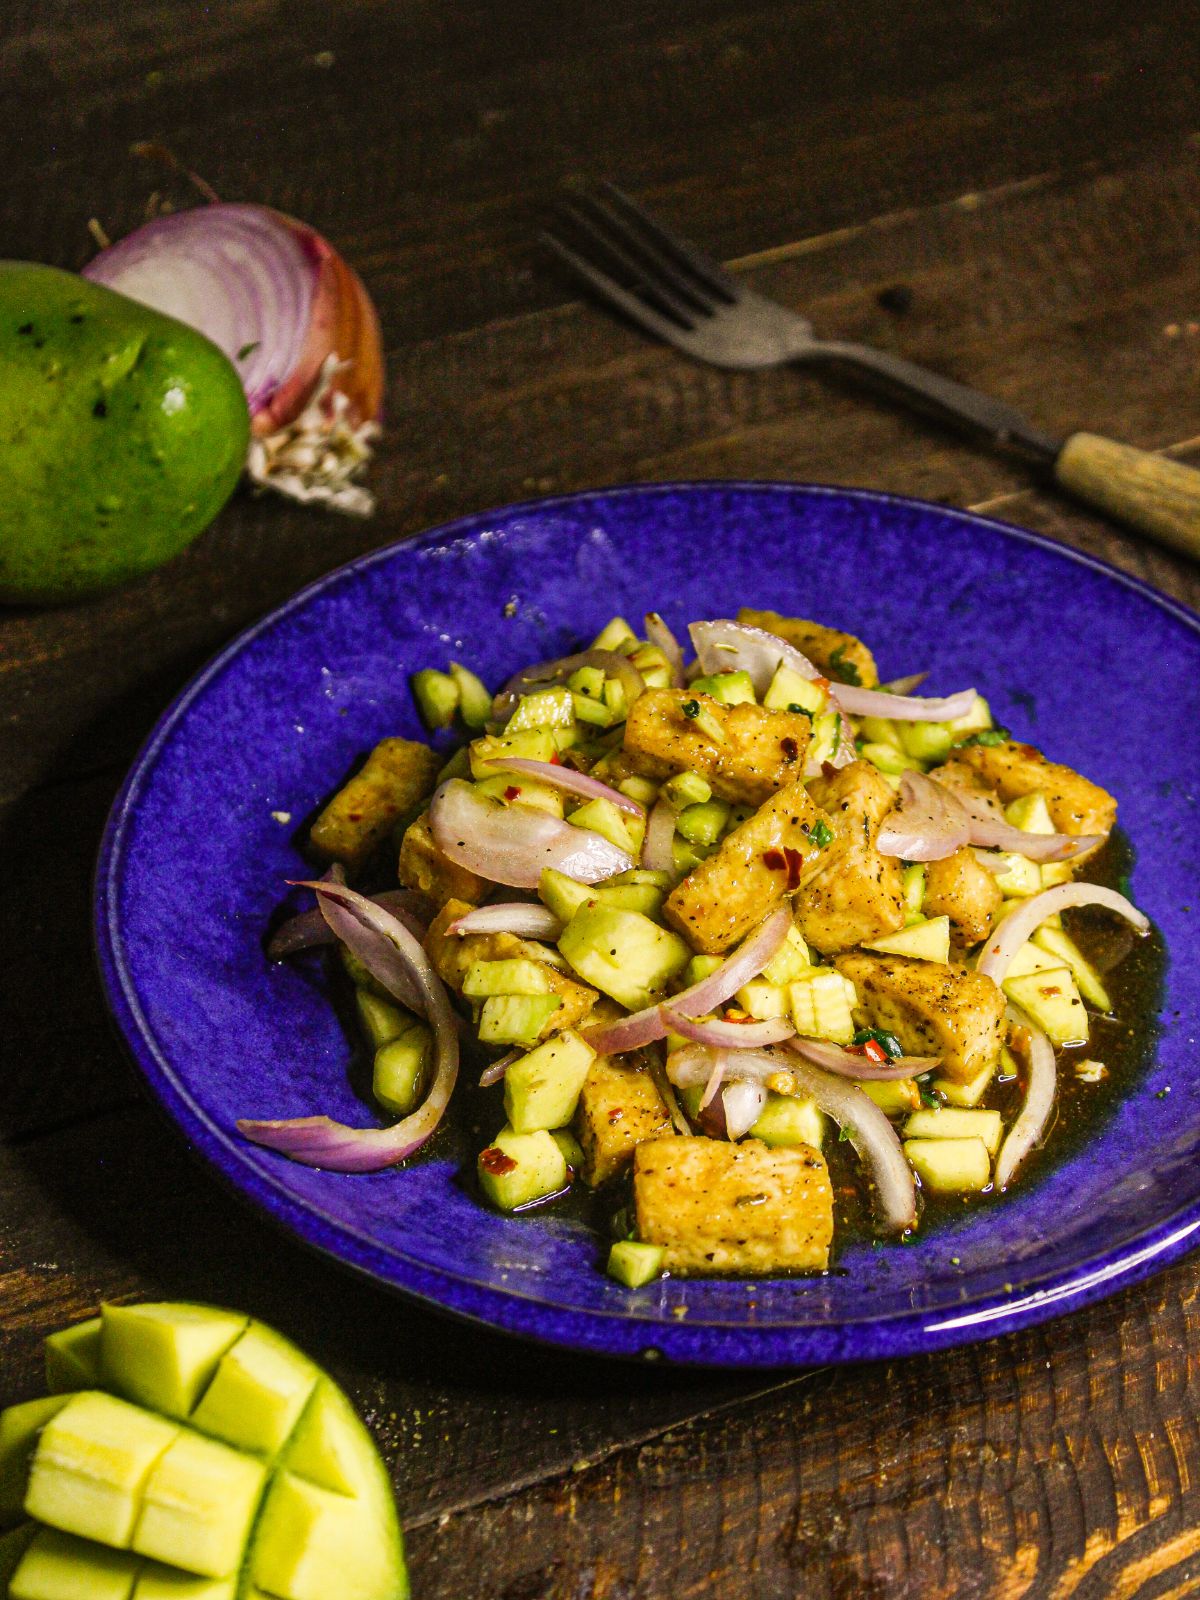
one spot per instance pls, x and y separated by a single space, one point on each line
769 856
854 894
720 1207
396 777
933 1009
423 866
619 1108
452 957
827 648
762 750
1077 805
960 888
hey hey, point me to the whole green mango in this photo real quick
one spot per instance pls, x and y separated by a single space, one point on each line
122 434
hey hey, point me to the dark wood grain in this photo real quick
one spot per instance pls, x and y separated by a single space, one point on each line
1032 180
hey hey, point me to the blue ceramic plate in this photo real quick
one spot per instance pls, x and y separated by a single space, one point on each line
1073 655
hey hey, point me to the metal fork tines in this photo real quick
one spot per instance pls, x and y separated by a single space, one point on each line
674 291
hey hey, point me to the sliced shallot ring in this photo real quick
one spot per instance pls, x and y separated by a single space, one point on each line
873 1138
927 823
990 832
716 1077
1034 1114
509 916
572 782
308 929
661 637
658 853
902 707
512 844
548 673
496 1071
849 1064
996 956
725 1035
743 1101
385 947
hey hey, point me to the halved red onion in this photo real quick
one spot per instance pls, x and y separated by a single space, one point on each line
658 853
545 674
390 952
991 832
996 956
728 1035
926 824
746 962
527 921
310 928
1031 1121
872 1136
850 1064
661 637
512 844
743 1103
496 1071
571 782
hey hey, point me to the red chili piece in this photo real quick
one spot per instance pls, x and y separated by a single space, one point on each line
775 860
494 1160
795 865
790 749
511 792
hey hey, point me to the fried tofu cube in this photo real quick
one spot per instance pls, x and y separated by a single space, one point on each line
933 1009
424 866
761 750
769 856
828 648
396 777
855 894
454 955
746 1208
619 1109
960 888
1077 805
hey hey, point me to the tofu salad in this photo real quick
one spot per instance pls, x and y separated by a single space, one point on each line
709 921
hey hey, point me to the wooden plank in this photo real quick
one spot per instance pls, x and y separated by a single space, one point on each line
1056 295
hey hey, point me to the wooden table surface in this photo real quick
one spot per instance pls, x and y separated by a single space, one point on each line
1031 176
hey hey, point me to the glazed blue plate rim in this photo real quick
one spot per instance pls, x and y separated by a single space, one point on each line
615 1333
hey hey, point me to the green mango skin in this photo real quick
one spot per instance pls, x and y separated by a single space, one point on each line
122 434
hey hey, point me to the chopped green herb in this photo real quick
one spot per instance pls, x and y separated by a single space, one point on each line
248 349
690 708
987 737
1124 885
844 1133
822 834
802 710
1162 1094
880 1036
842 669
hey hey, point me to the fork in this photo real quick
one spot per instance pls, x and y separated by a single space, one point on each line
674 291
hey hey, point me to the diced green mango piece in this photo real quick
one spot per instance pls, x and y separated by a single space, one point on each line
635 1264
380 1019
791 961
686 789
701 967
594 713
703 824
705 720
474 697
312 1545
653 666
57 1566
1053 872
561 894
572 1150
762 1000
786 1121
925 741
821 1006
1021 876
975 720
488 754
262 1384
156 1582
893 1096
1030 812
604 818
587 681
927 940
640 789
518 1168
198 1504
969 1093
1053 1002
517 789
658 880
948 1122
1062 948
163 1356
614 634
623 953
685 856
888 760
879 730
643 897
516 1018
542 1088
913 881
515 976
401 1067
730 688
90 1464
1030 957
788 689
826 738
544 708
950 1166
436 694
19 1429
73 1357
359 975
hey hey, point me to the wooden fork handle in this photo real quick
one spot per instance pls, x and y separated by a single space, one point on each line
1148 492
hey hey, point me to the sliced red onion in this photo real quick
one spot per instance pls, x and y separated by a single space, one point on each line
991 832
746 962
659 635
389 951
728 1035
658 854
716 1076
496 1071
850 1064
1031 1121
509 916
992 864
902 707
512 844
657 1069
545 674
926 824
572 782
310 928
872 1136
996 956
743 1102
